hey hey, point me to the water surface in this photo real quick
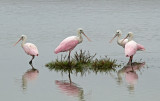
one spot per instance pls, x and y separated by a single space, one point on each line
48 22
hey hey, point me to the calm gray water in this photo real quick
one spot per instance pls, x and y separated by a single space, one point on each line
48 22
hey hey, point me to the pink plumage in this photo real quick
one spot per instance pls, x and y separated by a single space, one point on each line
131 47
67 44
30 49
140 47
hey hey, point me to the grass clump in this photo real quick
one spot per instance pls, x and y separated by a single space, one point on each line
83 57
82 62
104 65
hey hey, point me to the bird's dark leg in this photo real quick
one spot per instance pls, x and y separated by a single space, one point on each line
69 56
130 60
30 62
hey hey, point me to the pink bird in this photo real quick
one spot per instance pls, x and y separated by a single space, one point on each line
69 43
29 48
131 47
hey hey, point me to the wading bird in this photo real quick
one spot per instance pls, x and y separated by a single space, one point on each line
131 47
29 48
119 40
69 43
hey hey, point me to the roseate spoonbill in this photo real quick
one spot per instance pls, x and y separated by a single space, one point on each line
131 47
119 41
69 43
29 48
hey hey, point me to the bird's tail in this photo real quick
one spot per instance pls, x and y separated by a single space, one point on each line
140 47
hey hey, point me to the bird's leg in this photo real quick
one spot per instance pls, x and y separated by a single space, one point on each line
131 59
30 62
69 56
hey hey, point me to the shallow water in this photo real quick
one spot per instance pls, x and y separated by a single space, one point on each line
48 22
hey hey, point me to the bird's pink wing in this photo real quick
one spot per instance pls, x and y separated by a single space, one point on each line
130 48
140 47
30 49
67 44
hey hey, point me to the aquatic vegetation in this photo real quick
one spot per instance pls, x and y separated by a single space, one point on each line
83 57
104 65
82 62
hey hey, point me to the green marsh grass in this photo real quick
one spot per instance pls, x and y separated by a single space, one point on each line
82 62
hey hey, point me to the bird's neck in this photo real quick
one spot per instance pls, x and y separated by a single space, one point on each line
118 38
130 38
80 37
23 42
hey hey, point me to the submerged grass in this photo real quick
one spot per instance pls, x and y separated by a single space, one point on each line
82 62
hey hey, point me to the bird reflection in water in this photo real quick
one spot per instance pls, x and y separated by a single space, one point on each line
129 72
70 88
29 76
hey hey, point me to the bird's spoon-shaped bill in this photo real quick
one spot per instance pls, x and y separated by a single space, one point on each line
18 41
112 38
86 36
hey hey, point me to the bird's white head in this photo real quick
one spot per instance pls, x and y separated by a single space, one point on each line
118 33
80 31
130 35
23 38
